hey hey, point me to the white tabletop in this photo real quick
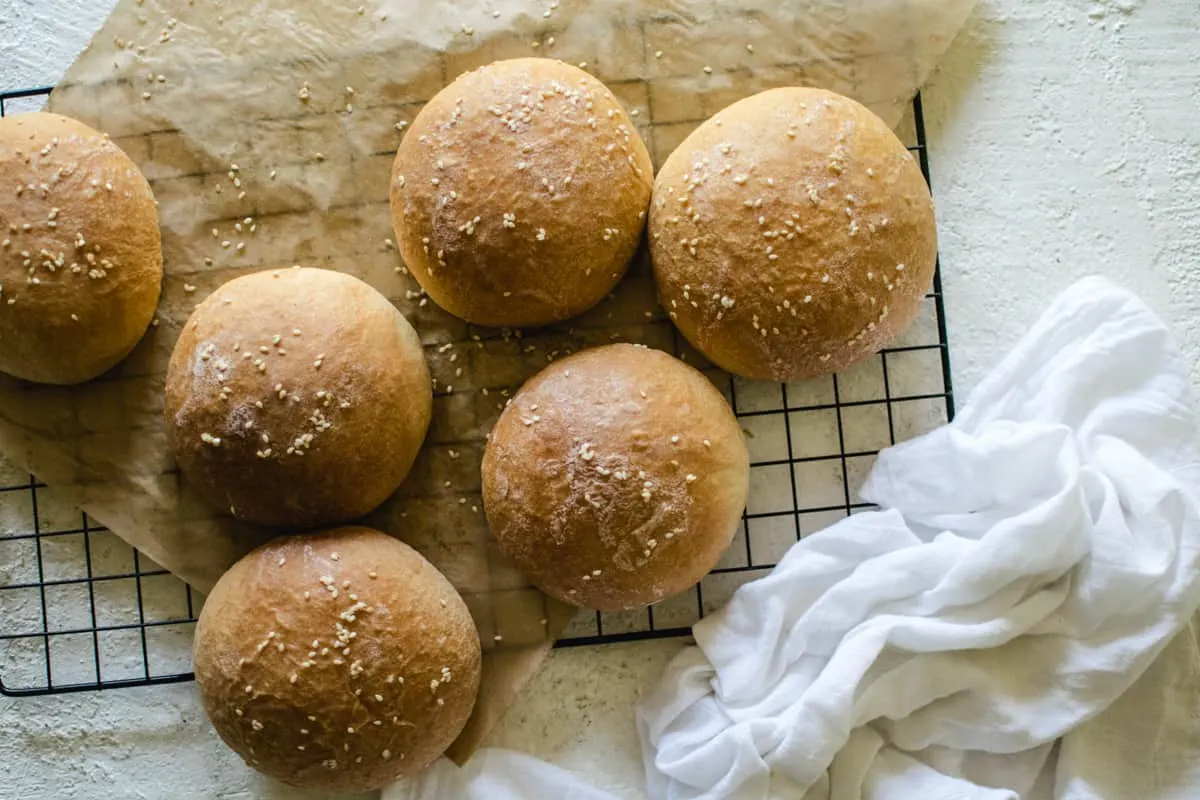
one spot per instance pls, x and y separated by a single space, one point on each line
1064 140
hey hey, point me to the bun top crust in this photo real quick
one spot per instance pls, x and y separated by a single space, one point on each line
792 235
616 477
519 193
297 398
80 250
339 660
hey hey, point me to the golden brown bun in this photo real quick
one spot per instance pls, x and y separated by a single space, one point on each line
616 477
792 235
80 252
339 660
519 194
297 397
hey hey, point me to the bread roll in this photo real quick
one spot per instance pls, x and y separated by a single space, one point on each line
80 253
792 235
338 661
519 194
297 397
616 477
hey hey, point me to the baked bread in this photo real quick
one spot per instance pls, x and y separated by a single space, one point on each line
616 477
792 235
297 398
80 252
520 192
337 661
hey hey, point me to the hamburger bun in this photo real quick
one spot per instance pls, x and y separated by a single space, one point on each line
80 252
519 194
792 235
338 661
616 477
297 398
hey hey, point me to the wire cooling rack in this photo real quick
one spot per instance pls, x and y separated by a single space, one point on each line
81 610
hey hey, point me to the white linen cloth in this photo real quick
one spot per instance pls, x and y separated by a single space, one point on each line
973 639
494 774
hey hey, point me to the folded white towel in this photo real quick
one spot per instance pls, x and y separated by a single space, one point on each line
494 774
978 637
1032 559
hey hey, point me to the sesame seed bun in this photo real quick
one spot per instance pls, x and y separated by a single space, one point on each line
297 398
338 661
519 194
792 235
616 477
80 253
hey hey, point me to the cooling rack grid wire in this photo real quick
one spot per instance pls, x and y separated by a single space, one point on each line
81 610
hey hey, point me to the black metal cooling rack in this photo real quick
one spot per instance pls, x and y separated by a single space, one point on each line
80 610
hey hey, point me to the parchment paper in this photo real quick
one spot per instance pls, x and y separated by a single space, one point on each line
267 131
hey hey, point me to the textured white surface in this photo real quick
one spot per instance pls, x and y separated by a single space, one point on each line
39 40
1065 140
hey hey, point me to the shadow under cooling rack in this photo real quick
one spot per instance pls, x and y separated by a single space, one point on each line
81 610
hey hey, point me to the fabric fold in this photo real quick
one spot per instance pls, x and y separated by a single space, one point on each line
1029 561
